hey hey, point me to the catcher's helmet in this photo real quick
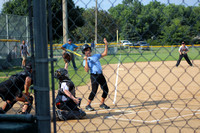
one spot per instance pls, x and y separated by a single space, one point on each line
28 67
85 46
61 74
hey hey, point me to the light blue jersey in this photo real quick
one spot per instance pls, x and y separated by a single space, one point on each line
94 64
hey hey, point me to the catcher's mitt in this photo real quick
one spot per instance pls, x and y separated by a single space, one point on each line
67 57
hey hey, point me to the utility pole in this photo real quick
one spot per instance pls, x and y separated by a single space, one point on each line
65 21
96 23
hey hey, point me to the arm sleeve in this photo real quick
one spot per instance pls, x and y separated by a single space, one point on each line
179 49
75 46
187 48
98 56
64 46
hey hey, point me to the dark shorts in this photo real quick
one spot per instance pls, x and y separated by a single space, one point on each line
8 90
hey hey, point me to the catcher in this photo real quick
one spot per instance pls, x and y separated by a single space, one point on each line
11 91
66 102
67 58
183 50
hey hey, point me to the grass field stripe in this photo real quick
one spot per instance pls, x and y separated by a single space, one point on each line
116 82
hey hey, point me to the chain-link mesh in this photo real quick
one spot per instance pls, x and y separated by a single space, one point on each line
149 89
15 67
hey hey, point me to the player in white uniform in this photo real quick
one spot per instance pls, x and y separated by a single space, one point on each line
183 50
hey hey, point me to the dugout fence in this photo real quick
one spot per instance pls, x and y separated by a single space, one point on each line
147 92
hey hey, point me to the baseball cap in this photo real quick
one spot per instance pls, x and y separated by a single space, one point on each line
69 39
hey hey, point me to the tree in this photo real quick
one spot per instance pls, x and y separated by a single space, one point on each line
106 26
19 7
126 16
16 7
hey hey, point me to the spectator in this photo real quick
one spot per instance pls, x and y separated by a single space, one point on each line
92 45
23 53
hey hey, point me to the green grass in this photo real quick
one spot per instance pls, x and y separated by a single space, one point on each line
156 54
80 77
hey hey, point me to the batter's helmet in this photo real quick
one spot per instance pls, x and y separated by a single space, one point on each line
61 74
85 46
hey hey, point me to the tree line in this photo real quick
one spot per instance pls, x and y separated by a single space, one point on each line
156 23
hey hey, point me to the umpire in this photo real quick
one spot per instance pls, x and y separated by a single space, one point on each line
11 90
183 50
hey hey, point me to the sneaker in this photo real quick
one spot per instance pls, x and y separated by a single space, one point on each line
88 107
24 112
104 106
58 112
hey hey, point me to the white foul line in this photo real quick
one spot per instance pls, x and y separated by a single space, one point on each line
116 82
151 121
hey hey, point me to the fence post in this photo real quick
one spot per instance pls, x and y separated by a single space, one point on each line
41 67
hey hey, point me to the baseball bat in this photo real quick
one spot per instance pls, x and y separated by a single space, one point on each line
74 53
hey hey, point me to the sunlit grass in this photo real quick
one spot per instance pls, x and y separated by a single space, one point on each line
80 77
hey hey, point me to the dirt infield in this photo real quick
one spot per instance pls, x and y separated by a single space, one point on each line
149 97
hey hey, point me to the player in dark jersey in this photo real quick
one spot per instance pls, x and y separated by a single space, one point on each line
12 89
66 102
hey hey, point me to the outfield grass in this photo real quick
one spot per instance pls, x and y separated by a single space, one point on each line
80 77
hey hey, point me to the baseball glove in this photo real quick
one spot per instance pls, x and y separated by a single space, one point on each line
184 52
67 57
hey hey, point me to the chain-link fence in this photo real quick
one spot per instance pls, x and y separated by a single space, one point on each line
14 27
150 65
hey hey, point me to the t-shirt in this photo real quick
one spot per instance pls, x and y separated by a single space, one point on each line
94 64
69 46
24 49
181 48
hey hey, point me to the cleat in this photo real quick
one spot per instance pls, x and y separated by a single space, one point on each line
104 106
88 107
